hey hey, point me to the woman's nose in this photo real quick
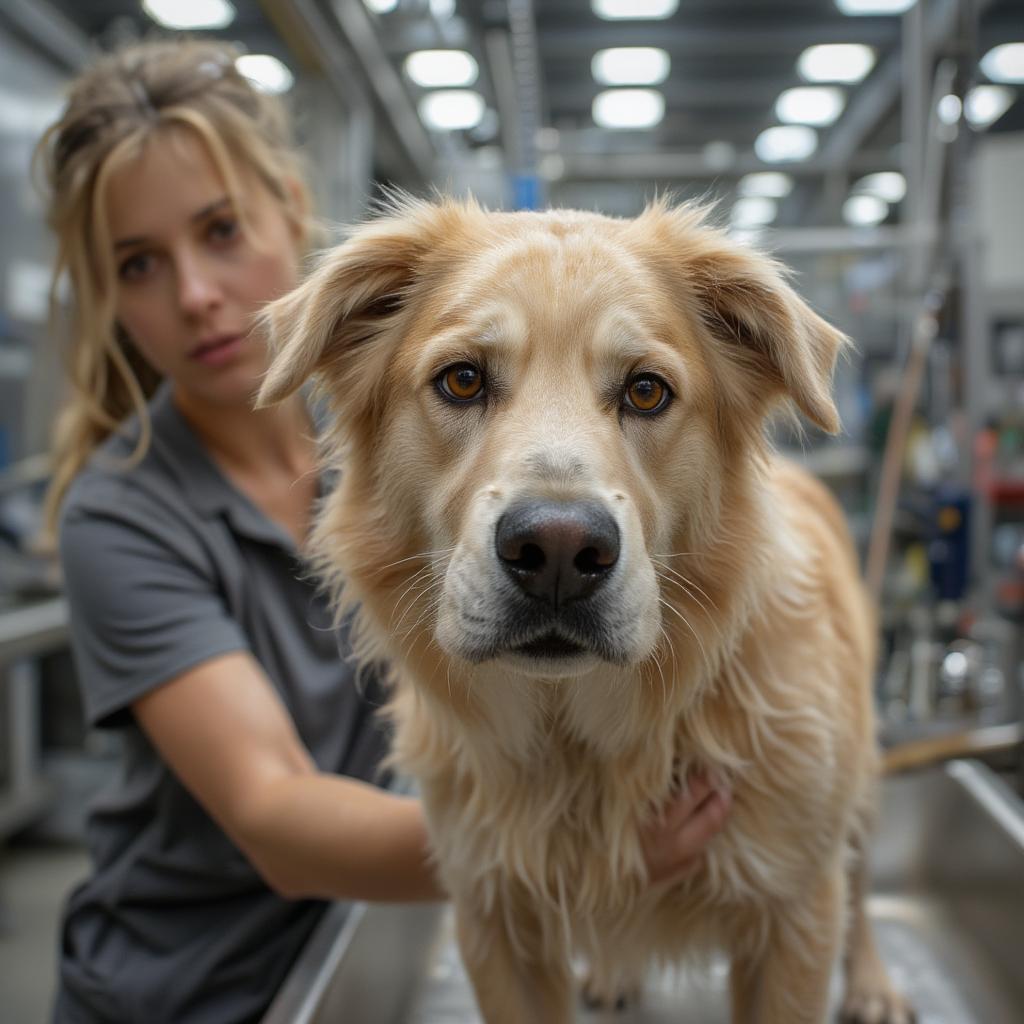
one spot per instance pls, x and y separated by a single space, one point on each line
198 289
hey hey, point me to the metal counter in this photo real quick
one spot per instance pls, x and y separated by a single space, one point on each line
947 904
26 631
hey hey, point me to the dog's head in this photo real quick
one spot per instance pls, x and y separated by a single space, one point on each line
540 413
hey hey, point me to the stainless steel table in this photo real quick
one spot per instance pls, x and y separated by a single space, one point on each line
948 906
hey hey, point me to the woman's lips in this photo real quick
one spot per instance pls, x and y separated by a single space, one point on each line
218 350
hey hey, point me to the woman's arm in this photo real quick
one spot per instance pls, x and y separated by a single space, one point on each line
225 733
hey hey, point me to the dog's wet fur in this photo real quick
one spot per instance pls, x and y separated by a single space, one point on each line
563 527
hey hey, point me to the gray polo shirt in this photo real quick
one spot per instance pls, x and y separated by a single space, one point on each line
168 565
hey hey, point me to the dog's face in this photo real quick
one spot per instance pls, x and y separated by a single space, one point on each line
542 409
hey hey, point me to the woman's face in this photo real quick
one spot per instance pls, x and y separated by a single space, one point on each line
188 278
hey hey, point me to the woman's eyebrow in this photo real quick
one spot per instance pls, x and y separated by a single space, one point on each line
217 204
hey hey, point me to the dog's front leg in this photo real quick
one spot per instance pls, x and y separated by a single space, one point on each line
788 981
516 980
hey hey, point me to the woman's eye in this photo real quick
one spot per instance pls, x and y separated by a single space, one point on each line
134 268
224 229
462 382
646 393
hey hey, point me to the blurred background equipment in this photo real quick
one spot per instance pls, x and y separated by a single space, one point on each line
874 146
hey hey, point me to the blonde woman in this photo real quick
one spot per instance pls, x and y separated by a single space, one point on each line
249 788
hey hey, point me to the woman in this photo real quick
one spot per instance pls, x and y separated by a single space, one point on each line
247 792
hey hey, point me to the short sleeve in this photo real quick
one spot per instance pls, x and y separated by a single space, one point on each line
144 604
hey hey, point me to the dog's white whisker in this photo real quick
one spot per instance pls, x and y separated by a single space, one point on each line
417 587
686 622
420 554
686 580
712 620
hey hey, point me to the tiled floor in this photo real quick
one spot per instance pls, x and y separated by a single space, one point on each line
34 880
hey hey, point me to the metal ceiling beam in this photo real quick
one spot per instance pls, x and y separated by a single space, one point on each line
410 35
364 44
667 166
877 96
503 79
713 41
737 92
555 42
46 28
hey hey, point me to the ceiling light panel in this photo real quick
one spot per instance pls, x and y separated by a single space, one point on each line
441 69
786 143
628 108
949 108
888 185
836 62
265 72
772 184
1004 63
195 14
380 6
865 211
616 10
630 65
985 104
753 212
452 109
858 7
817 105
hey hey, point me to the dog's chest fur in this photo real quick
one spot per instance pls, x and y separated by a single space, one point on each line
532 808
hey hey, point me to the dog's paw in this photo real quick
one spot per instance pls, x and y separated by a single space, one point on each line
597 1000
876 1006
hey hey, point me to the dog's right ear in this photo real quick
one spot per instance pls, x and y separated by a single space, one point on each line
353 296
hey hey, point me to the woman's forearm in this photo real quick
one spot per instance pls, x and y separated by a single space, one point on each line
327 836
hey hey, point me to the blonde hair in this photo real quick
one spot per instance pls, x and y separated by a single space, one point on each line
113 109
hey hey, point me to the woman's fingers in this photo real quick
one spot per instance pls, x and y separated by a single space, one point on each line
675 842
686 802
703 825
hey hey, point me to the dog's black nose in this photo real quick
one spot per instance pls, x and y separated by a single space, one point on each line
558 551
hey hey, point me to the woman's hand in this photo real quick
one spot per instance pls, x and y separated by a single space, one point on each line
674 842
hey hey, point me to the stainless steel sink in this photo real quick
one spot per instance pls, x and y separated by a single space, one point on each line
948 908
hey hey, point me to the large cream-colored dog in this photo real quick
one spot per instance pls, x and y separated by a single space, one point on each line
565 530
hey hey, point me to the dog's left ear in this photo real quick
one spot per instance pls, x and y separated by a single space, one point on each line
755 317
330 321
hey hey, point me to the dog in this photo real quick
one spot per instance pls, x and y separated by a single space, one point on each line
561 523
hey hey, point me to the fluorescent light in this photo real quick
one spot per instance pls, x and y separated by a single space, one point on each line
949 108
718 155
628 108
267 73
452 109
433 69
888 185
836 62
380 6
874 6
442 10
864 211
181 14
630 65
1004 63
788 142
985 104
614 10
753 212
817 105
773 184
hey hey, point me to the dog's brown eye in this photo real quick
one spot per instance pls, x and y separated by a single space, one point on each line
646 393
462 382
